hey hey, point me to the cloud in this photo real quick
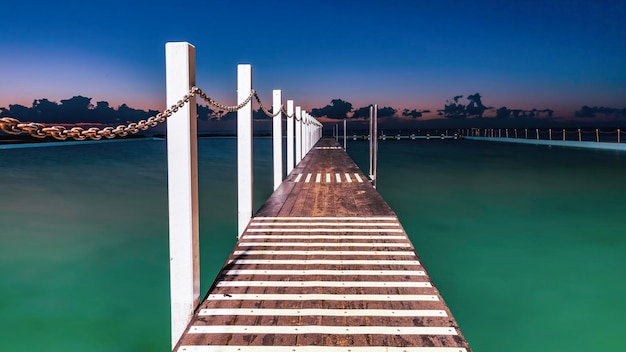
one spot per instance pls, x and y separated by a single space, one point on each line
77 109
587 111
412 113
337 109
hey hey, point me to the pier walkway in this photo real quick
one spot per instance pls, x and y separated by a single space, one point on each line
324 265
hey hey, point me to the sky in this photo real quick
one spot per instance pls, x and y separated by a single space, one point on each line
527 54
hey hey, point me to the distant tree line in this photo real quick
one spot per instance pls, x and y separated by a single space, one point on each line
80 109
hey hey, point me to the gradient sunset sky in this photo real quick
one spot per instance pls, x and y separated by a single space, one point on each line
405 54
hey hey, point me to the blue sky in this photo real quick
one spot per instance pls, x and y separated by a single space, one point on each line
406 54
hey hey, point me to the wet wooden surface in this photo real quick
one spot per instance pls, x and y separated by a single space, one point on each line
323 259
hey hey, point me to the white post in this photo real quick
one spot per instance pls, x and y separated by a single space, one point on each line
298 134
345 134
182 187
371 141
244 149
303 132
277 138
375 179
307 135
289 136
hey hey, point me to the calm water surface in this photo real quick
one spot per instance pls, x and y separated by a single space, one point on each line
526 243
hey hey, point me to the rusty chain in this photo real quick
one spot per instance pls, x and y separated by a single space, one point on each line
210 100
282 108
14 126
39 130
264 109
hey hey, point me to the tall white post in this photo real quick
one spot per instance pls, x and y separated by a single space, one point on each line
375 167
371 140
290 145
277 138
182 187
244 149
298 134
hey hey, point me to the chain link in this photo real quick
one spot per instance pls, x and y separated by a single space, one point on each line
282 108
265 110
212 102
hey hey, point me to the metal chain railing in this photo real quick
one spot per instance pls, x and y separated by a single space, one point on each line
212 102
39 130
264 109
282 108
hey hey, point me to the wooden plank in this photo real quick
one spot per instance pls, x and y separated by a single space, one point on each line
323 257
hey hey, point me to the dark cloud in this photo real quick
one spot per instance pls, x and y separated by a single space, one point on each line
587 111
337 109
205 113
475 108
412 113
504 112
361 113
456 109
387 111
75 110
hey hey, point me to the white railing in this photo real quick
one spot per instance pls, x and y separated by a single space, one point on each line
182 156
550 134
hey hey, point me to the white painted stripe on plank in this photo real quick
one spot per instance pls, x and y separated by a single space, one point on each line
234 348
358 178
325 272
338 178
306 223
326 312
322 244
320 329
318 178
287 252
326 237
308 178
323 230
327 178
298 178
348 178
418 284
323 218
321 297
323 262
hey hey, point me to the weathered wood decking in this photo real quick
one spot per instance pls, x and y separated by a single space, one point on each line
323 266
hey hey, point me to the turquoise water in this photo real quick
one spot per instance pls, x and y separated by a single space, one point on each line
526 243
84 246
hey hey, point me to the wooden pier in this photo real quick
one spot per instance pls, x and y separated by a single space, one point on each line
324 265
